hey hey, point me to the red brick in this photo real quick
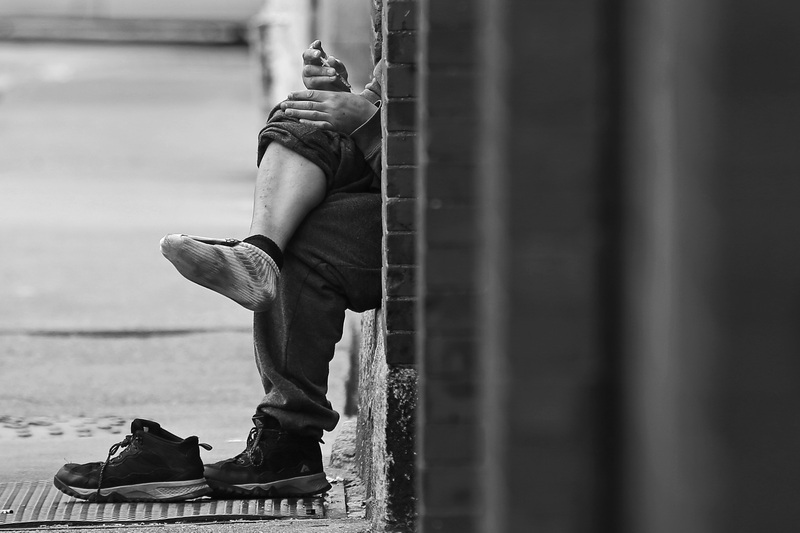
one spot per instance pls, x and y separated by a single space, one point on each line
400 182
401 115
400 248
400 281
400 149
400 214
399 314
400 47
401 15
400 81
401 348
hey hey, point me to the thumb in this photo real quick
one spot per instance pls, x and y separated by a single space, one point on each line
337 65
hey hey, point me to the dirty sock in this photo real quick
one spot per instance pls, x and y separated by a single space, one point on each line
238 270
267 245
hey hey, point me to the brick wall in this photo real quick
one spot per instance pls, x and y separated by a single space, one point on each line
494 244
388 377
385 432
399 31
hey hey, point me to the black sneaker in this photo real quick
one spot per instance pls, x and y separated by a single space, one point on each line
155 465
274 464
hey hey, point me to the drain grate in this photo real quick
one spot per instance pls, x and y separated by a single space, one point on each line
36 503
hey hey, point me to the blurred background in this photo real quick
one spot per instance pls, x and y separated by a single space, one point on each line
121 121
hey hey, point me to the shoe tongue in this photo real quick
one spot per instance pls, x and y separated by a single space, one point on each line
144 425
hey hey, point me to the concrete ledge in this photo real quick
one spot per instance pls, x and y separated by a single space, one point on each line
344 460
385 447
122 30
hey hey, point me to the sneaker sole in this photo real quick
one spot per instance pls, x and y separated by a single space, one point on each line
162 491
284 488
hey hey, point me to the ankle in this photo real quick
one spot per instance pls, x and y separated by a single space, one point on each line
268 246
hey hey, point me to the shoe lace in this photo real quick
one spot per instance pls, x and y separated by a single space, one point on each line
130 443
253 452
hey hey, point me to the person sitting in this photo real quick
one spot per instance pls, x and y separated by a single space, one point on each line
313 251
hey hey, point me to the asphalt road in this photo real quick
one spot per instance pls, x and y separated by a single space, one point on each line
103 150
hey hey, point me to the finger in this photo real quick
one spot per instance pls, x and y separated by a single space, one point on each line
321 124
316 71
295 104
306 105
314 96
316 52
300 104
312 57
309 115
337 65
321 84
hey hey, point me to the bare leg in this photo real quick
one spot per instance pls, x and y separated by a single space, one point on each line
288 187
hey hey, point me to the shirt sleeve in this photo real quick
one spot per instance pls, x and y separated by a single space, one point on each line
368 139
368 136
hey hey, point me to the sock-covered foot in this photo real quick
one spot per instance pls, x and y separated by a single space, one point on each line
244 273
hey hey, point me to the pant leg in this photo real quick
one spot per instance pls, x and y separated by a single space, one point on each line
334 153
332 263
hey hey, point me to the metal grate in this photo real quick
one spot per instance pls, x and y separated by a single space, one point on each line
34 503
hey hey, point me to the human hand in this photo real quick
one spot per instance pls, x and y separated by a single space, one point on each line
323 72
330 110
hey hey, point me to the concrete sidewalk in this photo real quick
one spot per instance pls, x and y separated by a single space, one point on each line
106 148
